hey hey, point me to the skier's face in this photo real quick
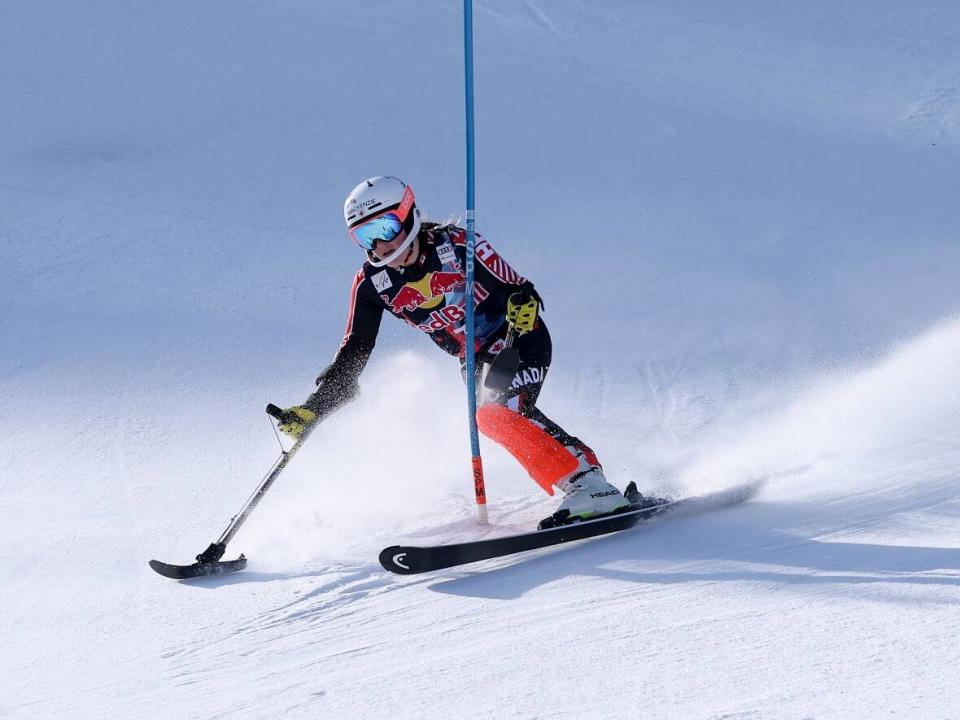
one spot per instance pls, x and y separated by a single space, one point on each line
385 249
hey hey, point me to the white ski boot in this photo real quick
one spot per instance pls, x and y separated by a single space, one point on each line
587 494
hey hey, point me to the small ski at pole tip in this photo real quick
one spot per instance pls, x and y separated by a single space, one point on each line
198 569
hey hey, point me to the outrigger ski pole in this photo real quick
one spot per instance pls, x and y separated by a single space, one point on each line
209 562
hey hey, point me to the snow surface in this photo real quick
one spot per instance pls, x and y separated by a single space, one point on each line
743 219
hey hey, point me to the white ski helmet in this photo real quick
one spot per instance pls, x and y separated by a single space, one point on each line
379 209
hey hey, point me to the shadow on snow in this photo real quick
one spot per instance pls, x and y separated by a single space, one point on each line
726 547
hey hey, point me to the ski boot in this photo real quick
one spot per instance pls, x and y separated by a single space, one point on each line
587 495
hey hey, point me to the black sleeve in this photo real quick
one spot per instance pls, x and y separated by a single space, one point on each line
338 384
498 276
528 290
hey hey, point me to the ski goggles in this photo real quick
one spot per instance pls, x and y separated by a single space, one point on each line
385 226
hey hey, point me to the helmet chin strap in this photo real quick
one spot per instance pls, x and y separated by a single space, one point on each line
380 262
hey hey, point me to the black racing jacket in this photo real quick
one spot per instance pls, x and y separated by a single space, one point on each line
429 295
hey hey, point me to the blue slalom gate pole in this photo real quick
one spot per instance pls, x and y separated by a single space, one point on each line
469 347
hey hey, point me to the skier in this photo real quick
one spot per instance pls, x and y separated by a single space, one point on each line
415 271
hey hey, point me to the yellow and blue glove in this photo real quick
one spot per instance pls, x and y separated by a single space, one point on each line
296 420
522 311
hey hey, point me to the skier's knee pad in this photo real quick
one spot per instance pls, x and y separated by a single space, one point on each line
541 455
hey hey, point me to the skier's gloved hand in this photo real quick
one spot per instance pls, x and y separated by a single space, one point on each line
297 420
522 309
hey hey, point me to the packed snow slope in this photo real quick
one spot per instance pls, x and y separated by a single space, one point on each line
743 219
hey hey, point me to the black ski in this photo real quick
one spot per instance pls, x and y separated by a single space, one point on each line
408 560
198 569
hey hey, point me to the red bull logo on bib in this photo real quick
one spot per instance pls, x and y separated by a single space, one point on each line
427 292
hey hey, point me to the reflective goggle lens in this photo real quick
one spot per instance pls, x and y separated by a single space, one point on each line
383 228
